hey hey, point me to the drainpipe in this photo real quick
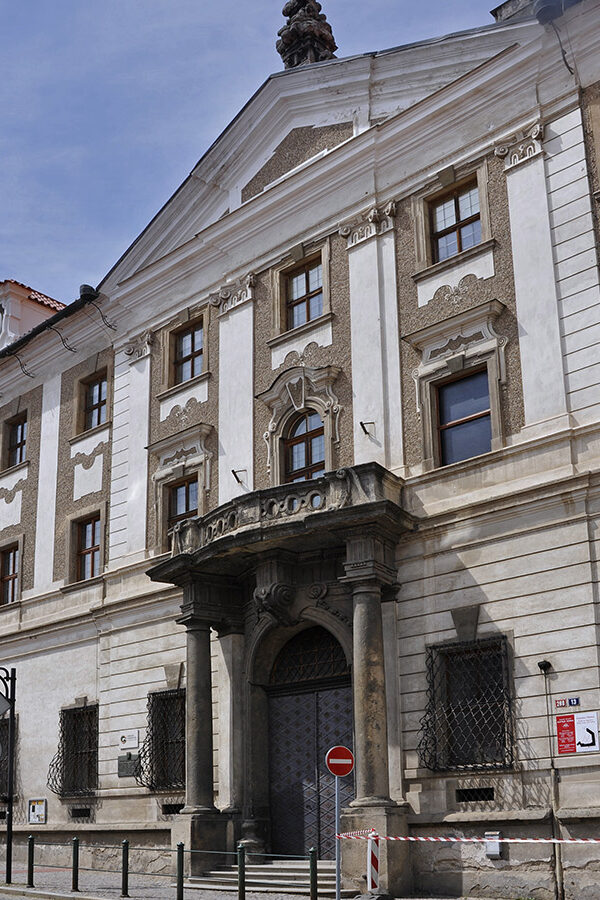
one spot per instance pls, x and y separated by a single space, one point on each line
545 667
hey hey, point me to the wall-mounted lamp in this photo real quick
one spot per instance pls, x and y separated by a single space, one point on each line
363 425
236 474
544 666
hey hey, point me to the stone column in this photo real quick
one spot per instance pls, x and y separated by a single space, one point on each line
370 714
198 721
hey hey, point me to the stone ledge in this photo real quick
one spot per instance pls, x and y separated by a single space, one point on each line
493 815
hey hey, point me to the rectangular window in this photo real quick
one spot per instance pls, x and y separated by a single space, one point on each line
162 757
183 500
189 352
455 222
88 548
464 418
77 758
304 293
9 565
95 402
17 441
468 721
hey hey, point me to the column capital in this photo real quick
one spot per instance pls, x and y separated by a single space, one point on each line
369 558
212 602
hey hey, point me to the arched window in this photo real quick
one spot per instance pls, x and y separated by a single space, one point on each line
304 447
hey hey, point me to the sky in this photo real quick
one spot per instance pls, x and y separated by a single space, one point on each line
105 107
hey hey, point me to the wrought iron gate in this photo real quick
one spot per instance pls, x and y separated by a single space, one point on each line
305 720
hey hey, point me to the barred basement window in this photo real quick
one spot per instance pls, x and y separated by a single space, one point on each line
162 756
73 771
468 721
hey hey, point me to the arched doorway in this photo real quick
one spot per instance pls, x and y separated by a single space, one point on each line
310 710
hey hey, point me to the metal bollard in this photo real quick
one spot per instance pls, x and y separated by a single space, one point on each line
312 862
241 861
125 869
75 878
180 871
30 850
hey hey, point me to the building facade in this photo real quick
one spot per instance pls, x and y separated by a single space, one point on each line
318 462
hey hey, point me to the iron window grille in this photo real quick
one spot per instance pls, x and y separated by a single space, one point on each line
161 765
73 771
468 723
9 575
313 655
17 441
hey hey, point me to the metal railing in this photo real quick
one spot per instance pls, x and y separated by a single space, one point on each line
124 871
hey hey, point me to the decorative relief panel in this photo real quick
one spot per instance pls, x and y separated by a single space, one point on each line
87 477
521 146
10 504
372 223
139 347
234 295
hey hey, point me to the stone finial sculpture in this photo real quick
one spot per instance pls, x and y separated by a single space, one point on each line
306 37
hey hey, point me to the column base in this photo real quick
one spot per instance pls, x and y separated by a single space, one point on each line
395 876
205 830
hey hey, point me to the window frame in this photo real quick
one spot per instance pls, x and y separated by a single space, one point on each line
190 327
290 476
304 268
299 257
84 552
454 194
11 581
19 446
72 570
91 375
447 181
89 409
439 427
172 486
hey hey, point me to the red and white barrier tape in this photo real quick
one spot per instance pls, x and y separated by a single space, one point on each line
372 861
356 836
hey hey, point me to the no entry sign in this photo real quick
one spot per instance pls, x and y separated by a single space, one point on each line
339 761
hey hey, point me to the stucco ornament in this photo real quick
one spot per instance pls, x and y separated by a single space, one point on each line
375 221
307 36
232 295
275 600
522 146
140 346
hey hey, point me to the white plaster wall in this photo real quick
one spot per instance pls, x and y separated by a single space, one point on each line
129 474
46 501
87 481
375 352
481 265
575 263
196 391
42 689
537 304
236 365
10 511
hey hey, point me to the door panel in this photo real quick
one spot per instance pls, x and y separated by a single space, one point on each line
302 727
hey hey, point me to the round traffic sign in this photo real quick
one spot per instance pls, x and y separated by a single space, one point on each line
339 761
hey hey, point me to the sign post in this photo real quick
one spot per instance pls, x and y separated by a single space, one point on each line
8 684
340 762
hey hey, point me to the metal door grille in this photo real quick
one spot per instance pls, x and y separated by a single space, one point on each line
468 721
162 756
74 769
307 716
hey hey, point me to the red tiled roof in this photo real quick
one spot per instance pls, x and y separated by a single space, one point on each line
38 297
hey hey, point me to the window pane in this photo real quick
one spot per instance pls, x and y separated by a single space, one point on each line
447 246
463 398
468 203
103 390
315 278
86 567
300 428
184 344
96 561
102 415
317 449
198 339
470 235
297 286
444 214
298 454
314 421
193 496
318 473
298 315
466 440
197 365
185 371
316 306
179 505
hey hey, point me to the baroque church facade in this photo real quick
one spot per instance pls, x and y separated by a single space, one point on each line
318 462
